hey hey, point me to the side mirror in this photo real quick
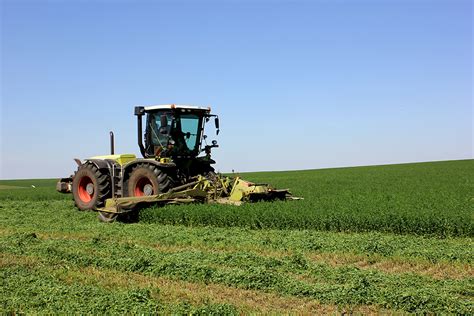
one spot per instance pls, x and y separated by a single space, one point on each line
216 121
164 124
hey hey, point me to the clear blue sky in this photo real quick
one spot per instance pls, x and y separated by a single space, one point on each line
297 84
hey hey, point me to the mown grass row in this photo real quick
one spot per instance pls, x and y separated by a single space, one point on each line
173 296
290 275
26 289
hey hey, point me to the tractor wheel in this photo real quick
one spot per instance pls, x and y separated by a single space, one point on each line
90 187
147 179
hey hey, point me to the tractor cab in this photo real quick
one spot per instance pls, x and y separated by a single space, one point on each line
173 131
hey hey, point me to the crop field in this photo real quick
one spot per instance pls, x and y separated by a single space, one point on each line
365 240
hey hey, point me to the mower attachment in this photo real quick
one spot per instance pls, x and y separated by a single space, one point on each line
215 189
128 204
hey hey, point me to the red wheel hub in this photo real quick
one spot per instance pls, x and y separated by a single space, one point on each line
143 187
86 189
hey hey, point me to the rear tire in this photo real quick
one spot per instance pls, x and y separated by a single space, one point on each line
90 187
147 179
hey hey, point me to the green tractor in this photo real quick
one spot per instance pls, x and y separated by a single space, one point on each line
176 168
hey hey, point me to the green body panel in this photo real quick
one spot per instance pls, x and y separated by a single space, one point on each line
121 159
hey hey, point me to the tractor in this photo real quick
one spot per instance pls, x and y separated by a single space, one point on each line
176 168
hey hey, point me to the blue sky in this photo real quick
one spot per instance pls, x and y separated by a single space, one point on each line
297 84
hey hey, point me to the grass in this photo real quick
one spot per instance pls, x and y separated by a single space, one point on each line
60 290
434 199
215 259
21 190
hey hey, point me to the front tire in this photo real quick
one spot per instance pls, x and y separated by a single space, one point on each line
146 180
90 187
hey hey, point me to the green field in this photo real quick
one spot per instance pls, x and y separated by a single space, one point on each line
382 239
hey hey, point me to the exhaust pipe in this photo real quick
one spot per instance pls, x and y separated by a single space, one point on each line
112 143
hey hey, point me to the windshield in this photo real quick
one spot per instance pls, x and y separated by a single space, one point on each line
179 137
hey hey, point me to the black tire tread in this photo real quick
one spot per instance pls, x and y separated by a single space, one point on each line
165 182
103 184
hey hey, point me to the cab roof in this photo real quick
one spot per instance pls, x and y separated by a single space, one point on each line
176 106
